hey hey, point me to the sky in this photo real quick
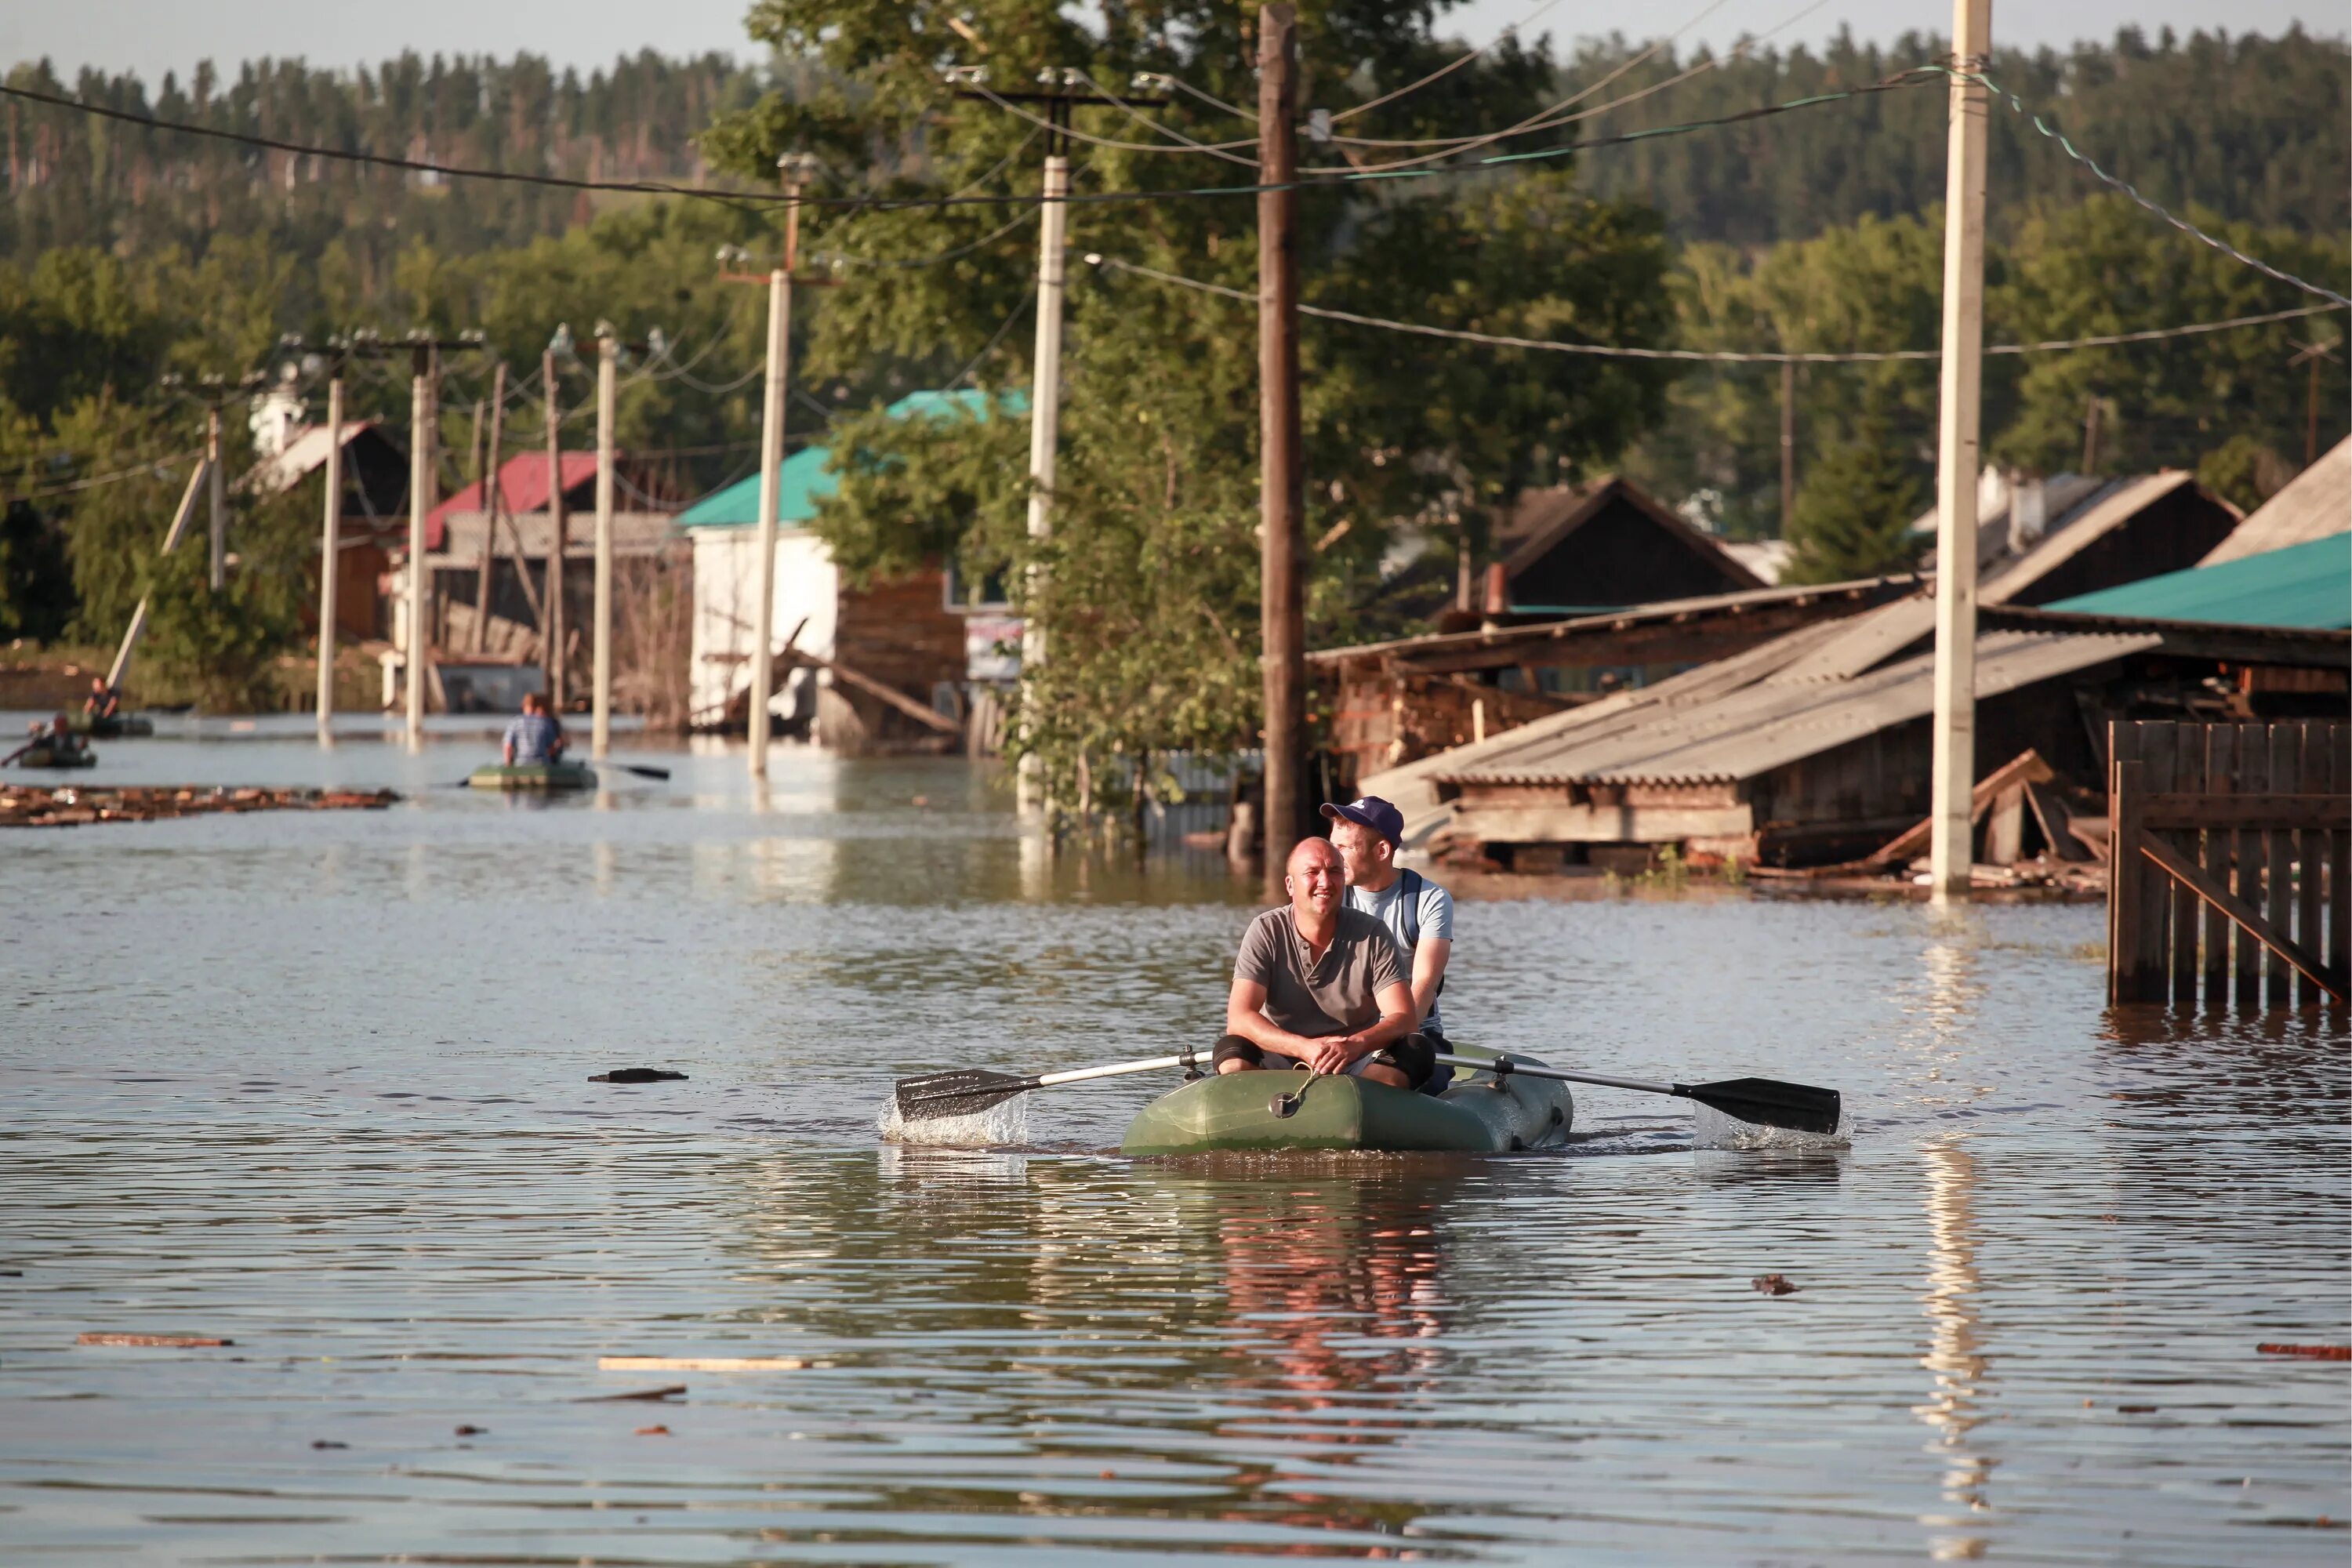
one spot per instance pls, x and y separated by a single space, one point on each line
152 37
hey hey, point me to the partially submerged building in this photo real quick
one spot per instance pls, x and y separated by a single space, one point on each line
374 512
844 651
1606 545
1813 747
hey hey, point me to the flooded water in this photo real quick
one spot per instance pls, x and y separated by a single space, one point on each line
317 1084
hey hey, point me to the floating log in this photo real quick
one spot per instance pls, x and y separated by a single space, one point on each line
699 1363
155 1341
28 806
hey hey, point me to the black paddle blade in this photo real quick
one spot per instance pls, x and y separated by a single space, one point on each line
644 772
967 1091
1768 1102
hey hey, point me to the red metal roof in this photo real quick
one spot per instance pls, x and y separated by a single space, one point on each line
523 478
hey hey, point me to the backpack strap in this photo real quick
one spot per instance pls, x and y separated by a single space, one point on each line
1410 894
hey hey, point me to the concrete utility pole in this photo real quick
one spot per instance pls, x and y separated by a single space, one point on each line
772 461
217 498
486 487
330 546
1788 445
1282 492
424 371
1949 851
551 642
608 357
1045 409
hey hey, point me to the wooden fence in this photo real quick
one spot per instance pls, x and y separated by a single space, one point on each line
2229 873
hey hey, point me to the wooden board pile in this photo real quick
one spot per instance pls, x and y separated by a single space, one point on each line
28 806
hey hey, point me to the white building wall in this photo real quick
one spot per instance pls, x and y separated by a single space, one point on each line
726 591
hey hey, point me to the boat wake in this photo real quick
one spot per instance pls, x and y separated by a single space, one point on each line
1005 1124
1711 1128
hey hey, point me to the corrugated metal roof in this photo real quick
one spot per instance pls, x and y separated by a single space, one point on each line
1768 723
2301 585
522 484
2110 509
2315 504
303 455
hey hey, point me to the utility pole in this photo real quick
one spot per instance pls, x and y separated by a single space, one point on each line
1282 494
330 546
552 641
216 497
608 352
796 168
2312 354
487 486
2091 435
1788 445
1045 389
1953 777
424 372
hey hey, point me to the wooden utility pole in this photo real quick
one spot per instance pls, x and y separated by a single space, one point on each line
120 667
1953 777
1788 445
2312 354
608 355
331 547
772 463
553 632
217 497
2091 435
1282 493
487 486
417 654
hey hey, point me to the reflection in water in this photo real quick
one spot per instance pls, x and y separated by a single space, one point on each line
1954 1353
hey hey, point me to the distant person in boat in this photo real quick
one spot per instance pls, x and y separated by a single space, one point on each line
1368 833
1317 985
58 737
103 701
536 736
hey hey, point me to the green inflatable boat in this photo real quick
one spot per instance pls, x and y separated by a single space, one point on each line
50 757
1266 1111
109 729
551 776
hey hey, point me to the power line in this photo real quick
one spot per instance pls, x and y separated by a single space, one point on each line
1444 70
1706 356
762 199
158 469
2183 225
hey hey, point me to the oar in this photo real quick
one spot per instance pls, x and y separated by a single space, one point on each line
1767 1102
642 773
21 750
968 1091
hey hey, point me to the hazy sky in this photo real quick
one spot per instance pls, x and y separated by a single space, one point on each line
150 36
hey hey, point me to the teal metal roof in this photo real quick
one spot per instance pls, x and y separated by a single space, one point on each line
2307 586
806 477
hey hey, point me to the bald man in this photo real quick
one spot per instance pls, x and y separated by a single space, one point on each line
1317 985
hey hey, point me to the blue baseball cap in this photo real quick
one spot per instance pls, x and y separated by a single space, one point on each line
1372 812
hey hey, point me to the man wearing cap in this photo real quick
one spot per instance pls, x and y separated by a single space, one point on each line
1416 911
1317 985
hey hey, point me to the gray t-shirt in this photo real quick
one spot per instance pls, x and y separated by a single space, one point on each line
1338 995
1388 906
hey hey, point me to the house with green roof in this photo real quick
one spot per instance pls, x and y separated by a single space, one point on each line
906 635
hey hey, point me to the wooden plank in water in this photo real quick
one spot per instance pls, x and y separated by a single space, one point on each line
699 1363
2158 745
2286 766
2253 778
2314 779
155 1341
2220 779
2187 778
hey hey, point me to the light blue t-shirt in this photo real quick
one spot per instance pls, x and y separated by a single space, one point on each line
1388 906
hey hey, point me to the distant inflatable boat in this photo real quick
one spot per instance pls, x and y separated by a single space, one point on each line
549 776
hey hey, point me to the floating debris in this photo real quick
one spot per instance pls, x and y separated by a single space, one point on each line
327 1443
471 1431
156 1342
636 1075
26 806
2316 1353
653 1431
1773 1285
699 1363
663 1393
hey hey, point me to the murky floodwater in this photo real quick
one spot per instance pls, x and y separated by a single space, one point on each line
317 1083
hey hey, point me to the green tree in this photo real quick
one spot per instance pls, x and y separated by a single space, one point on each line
1855 511
1147 592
